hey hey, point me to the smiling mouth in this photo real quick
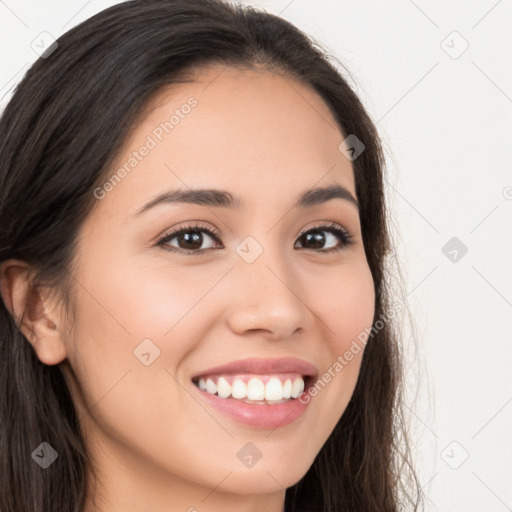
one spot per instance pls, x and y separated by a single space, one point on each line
255 388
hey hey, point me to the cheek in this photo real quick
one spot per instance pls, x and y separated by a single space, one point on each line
157 301
347 308
136 405
346 304
132 312
162 298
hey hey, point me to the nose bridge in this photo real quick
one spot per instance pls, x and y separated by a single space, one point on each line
267 290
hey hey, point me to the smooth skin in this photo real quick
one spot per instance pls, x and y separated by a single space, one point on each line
266 139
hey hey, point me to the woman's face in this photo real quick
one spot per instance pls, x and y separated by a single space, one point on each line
152 317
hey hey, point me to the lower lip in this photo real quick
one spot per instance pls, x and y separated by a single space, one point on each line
256 415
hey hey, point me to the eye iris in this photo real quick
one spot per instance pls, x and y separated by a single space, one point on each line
317 237
192 239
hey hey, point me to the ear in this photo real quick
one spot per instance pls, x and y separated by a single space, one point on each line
27 306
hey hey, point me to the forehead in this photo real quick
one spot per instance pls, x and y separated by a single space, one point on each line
259 133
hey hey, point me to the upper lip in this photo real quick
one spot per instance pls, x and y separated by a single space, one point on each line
263 366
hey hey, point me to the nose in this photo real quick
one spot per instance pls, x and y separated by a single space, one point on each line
268 297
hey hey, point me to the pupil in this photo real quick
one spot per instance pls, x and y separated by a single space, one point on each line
317 237
193 239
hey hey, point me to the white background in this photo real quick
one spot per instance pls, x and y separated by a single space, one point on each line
447 124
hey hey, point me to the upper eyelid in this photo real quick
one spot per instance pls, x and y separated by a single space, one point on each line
190 227
325 225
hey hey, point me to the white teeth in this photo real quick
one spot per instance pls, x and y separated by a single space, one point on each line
211 387
287 388
274 389
239 389
297 387
223 388
255 389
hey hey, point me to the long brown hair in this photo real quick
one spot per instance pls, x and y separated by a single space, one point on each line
60 132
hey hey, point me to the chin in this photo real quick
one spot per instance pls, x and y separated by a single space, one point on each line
265 479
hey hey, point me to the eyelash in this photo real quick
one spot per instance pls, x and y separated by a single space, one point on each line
333 227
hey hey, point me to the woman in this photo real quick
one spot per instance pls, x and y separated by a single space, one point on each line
192 255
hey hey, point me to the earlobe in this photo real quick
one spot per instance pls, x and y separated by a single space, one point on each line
30 312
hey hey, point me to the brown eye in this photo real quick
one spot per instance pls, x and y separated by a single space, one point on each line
189 239
316 238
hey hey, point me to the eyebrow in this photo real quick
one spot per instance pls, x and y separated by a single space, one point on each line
224 199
